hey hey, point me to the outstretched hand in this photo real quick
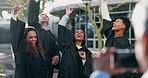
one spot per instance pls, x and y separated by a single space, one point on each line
101 61
16 8
68 10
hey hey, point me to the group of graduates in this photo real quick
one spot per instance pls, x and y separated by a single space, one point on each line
37 52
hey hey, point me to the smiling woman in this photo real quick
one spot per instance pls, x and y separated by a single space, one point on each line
76 58
31 37
29 55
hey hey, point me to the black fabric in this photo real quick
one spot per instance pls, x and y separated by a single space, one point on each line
117 42
24 67
71 63
46 38
128 75
112 41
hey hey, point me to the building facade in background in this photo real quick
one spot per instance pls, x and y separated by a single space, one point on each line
78 18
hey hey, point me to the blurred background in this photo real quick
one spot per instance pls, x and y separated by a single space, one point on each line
55 9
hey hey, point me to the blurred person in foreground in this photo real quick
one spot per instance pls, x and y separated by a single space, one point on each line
102 65
102 60
140 24
115 33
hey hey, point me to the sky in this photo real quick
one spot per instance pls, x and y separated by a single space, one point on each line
48 6
57 3
65 2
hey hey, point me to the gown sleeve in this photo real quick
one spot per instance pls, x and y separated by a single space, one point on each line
88 65
65 36
16 30
107 22
33 13
107 26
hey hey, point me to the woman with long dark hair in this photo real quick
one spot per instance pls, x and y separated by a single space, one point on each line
29 54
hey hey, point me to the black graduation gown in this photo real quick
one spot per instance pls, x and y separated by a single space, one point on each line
119 42
112 41
71 63
86 69
46 38
25 66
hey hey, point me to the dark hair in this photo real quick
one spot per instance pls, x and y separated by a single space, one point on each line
126 22
30 49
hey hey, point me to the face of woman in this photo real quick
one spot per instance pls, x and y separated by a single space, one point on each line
31 37
79 35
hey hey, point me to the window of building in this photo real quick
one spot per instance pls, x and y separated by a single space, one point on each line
123 10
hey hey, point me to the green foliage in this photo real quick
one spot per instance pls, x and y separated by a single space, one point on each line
2 70
4 35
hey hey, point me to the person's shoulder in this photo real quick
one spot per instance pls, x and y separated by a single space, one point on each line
145 75
99 74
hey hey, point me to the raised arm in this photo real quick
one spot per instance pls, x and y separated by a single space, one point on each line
65 36
34 6
107 23
65 17
16 29
105 11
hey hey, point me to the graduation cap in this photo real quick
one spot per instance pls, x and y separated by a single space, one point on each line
30 27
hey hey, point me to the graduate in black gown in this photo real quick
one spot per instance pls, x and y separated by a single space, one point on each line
30 57
115 31
47 39
115 34
76 59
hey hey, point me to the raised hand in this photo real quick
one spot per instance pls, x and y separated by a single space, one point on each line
68 10
16 8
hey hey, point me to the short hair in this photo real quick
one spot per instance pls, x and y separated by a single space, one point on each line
44 14
126 22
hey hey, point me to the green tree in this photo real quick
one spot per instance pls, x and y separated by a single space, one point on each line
98 29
